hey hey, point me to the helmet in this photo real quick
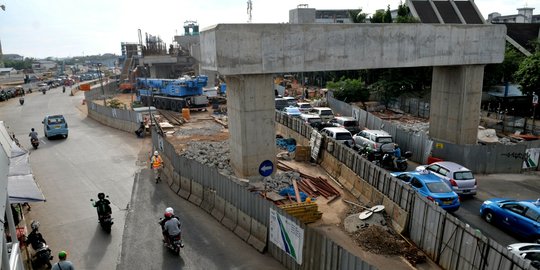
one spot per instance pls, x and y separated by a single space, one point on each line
156 153
34 225
168 214
62 255
169 210
101 195
32 129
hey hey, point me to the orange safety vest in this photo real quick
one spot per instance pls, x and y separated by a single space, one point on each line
156 161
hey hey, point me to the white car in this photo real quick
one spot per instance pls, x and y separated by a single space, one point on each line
527 251
292 111
459 178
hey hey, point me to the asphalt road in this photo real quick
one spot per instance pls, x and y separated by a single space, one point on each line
96 158
515 186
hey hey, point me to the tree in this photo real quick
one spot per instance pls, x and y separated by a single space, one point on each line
388 15
392 83
349 90
357 16
378 17
404 15
528 74
496 74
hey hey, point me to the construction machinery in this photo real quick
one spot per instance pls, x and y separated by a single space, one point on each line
173 94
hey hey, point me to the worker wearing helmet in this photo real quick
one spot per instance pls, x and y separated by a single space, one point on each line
62 263
171 227
156 163
102 205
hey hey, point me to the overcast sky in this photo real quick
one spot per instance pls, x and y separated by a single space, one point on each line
67 28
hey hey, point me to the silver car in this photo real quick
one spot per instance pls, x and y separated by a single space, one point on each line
527 251
459 178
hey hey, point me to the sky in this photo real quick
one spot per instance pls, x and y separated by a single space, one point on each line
67 28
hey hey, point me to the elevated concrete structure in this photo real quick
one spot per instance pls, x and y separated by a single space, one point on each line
255 49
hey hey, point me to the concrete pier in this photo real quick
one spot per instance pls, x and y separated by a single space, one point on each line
456 93
250 107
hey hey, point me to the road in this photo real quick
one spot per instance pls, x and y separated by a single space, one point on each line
523 186
96 158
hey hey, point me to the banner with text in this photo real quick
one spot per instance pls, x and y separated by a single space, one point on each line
286 235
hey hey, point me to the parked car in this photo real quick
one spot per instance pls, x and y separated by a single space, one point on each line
325 113
459 178
55 125
43 86
431 187
281 103
346 122
310 118
304 106
339 134
527 251
291 101
292 111
372 138
521 217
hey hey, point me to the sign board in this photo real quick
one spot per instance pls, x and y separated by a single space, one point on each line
84 87
535 99
266 168
287 235
533 156
439 145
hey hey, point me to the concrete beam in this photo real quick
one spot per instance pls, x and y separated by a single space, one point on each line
277 48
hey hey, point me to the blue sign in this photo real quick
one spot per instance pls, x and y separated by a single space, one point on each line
266 168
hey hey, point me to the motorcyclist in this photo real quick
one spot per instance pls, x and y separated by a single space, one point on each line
397 154
33 135
165 219
103 206
172 227
35 238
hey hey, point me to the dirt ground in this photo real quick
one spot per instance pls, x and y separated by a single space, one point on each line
377 245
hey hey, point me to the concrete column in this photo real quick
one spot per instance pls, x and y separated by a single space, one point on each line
456 93
250 107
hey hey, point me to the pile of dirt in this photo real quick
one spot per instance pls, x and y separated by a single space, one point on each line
382 240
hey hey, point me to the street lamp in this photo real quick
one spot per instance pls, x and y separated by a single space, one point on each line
101 83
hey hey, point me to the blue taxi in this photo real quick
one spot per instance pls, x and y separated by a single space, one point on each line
432 187
55 125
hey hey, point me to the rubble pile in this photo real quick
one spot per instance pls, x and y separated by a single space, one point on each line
213 154
281 180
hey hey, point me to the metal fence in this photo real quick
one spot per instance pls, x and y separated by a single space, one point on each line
448 241
413 106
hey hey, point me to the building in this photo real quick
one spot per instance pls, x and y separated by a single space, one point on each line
525 15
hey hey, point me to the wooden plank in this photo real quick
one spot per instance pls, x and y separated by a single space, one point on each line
296 192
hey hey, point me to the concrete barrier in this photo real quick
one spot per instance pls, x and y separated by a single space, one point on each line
231 216
175 182
218 212
209 197
243 227
185 187
196 195
258 236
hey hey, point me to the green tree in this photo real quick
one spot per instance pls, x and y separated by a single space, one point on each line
18 64
528 74
349 90
357 16
378 17
404 15
496 74
388 15
392 83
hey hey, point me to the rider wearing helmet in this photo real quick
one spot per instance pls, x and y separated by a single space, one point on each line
33 135
35 238
102 205
169 213
156 163
171 227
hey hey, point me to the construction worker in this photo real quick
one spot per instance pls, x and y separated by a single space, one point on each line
156 163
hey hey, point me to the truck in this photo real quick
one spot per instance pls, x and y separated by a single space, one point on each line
173 94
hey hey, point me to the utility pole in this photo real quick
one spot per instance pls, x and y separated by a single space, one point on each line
535 103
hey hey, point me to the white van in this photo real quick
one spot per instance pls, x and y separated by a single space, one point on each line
310 118
339 134
325 113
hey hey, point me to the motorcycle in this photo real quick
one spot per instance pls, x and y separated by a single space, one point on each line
44 91
386 159
21 100
173 243
35 143
105 220
42 255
